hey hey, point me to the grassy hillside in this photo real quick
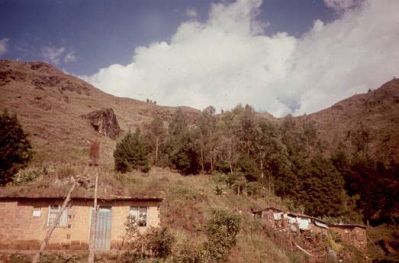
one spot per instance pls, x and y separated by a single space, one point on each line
367 122
50 106
187 206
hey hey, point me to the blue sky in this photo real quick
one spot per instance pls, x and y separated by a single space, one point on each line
280 56
99 33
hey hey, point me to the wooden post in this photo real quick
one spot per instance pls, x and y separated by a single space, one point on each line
93 224
57 220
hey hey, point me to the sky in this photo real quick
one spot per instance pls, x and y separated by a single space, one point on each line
280 56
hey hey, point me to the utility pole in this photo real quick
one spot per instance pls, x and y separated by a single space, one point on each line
93 224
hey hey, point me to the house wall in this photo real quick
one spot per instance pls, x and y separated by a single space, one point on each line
20 230
119 218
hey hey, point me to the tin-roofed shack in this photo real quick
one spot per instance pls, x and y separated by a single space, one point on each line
26 215
277 219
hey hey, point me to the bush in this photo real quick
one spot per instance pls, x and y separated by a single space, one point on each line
65 172
154 243
15 149
26 176
222 230
132 153
160 242
187 252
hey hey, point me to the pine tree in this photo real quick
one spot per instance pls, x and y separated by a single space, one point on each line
132 153
15 148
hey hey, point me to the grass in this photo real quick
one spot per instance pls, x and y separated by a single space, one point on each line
188 203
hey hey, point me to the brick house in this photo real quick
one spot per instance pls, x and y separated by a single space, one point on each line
25 219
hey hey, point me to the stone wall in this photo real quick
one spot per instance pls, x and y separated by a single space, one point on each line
20 230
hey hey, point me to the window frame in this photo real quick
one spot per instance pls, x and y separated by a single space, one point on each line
63 219
134 211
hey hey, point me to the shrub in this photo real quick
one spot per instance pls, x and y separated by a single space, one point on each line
132 153
160 242
65 172
15 149
187 252
222 230
26 176
154 243
255 189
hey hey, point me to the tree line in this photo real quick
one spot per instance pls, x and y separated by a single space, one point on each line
255 155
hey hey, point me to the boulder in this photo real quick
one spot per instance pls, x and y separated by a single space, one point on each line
104 121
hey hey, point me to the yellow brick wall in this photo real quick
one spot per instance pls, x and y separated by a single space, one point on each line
20 230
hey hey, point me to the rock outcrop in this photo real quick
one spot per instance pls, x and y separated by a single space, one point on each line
104 121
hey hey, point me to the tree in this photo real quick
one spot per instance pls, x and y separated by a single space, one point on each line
207 127
15 148
323 188
157 133
181 147
222 230
132 153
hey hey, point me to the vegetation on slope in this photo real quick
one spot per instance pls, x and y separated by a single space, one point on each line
15 148
240 159
255 155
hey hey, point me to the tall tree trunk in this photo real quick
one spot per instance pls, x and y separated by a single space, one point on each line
57 220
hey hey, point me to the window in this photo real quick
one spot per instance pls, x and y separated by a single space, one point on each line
139 214
52 215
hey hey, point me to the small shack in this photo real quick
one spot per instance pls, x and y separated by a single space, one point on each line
279 219
25 217
307 223
271 215
352 234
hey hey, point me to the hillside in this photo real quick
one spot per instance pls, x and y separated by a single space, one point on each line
269 158
50 104
368 122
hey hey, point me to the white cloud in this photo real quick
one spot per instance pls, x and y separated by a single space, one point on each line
190 12
70 57
229 60
56 55
3 46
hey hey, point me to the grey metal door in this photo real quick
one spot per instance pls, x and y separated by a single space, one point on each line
103 229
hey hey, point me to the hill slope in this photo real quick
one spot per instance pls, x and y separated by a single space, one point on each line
368 122
49 104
